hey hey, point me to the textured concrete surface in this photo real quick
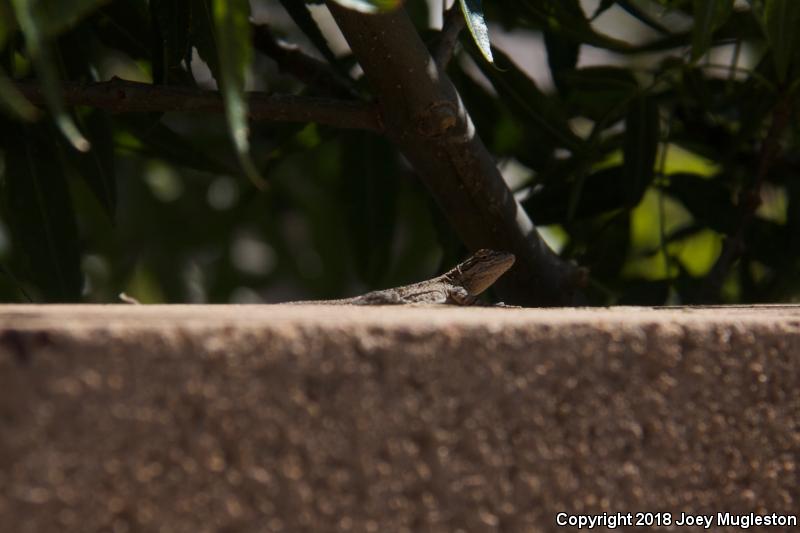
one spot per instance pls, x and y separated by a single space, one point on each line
298 418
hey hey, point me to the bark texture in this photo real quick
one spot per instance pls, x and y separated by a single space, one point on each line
424 115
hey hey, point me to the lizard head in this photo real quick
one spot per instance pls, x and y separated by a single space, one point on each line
480 270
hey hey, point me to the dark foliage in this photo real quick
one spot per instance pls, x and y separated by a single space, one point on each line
669 165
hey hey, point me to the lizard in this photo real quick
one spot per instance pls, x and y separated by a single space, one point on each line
460 285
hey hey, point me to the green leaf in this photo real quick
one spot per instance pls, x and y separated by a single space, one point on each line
562 55
96 166
36 29
171 23
235 46
302 17
608 244
708 16
781 24
596 92
125 26
203 35
642 16
602 7
528 102
13 102
739 26
152 137
567 18
641 144
41 219
55 16
601 78
7 22
598 193
709 200
370 6
476 24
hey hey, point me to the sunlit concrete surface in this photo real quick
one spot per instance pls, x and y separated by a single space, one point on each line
300 418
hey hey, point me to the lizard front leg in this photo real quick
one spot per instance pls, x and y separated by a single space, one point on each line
458 295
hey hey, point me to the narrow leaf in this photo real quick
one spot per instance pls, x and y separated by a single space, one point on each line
203 35
709 200
302 17
42 222
7 22
641 144
39 48
125 26
96 167
520 93
642 16
370 6
598 193
231 20
567 18
708 16
370 189
562 55
13 102
171 27
602 7
476 24
781 24
56 16
150 136
598 93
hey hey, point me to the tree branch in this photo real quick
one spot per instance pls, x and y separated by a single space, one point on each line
426 119
121 96
445 43
316 74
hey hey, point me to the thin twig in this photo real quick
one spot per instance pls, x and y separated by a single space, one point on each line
316 74
749 201
122 96
662 216
445 44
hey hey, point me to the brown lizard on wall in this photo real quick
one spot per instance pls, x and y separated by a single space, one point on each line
459 286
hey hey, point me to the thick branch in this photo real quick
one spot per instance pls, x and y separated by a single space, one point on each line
424 116
121 96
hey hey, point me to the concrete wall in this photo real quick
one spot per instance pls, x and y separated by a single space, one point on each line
295 418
